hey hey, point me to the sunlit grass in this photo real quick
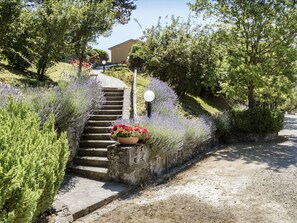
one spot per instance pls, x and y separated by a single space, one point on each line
13 76
192 106
124 74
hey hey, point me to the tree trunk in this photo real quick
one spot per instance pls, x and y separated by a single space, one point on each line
251 96
81 53
41 72
79 69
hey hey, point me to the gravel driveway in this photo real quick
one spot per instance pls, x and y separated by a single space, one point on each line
251 182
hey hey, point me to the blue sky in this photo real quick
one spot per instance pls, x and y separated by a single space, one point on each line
147 14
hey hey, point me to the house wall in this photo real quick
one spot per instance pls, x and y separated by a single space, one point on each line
120 53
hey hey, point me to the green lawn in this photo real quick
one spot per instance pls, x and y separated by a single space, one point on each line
189 105
16 77
124 74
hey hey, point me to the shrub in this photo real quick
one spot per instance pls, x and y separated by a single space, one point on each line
7 91
257 120
97 54
121 72
32 163
163 93
71 102
222 122
170 131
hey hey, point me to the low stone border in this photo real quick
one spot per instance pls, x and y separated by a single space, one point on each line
135 165
250 137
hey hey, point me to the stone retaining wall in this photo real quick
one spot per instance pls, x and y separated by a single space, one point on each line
251 137
136 164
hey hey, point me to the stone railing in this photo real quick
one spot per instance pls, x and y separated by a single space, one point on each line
136 164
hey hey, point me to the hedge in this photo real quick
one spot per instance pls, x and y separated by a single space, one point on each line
256 120
32 163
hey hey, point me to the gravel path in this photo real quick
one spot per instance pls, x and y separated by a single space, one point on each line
108 81
251 182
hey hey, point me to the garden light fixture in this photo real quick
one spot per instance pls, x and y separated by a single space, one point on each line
149 96
104 63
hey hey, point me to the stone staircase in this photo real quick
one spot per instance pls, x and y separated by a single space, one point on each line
91 159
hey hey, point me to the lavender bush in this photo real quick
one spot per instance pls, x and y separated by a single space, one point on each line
7 91
163 92
169 131
71 103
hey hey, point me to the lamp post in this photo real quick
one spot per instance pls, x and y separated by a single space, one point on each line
149 96
104 63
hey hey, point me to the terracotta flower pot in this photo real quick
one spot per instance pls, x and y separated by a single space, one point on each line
128 140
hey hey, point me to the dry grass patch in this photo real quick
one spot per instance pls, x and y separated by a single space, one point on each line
175 209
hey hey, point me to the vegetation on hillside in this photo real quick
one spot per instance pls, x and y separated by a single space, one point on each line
54 30
248 53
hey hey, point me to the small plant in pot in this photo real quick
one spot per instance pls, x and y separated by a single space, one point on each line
129 135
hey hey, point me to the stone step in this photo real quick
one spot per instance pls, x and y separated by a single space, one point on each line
91 161
94 129
107 112
95 143
99 123
113 103
92 152
96 136
104 117
97 173
114 98
112 90
111 107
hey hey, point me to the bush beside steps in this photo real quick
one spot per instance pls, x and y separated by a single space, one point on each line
32 162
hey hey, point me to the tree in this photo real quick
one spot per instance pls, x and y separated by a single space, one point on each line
96 17
136 56
258 39
97 55
9 13
53 21
20 41
180 54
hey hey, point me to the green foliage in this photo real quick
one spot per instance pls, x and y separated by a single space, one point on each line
9 12
53 22
19 51
98 54
124 74
136 56
257 42
52 29
121 72
256 120
222 122
180 54
170 131
96 18
32 163
71 102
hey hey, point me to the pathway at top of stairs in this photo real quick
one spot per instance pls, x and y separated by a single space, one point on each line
86 188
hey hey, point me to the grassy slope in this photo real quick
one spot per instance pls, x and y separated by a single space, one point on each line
125 75
189 105
13 76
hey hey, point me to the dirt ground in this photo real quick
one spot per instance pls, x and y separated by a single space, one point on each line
251 182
